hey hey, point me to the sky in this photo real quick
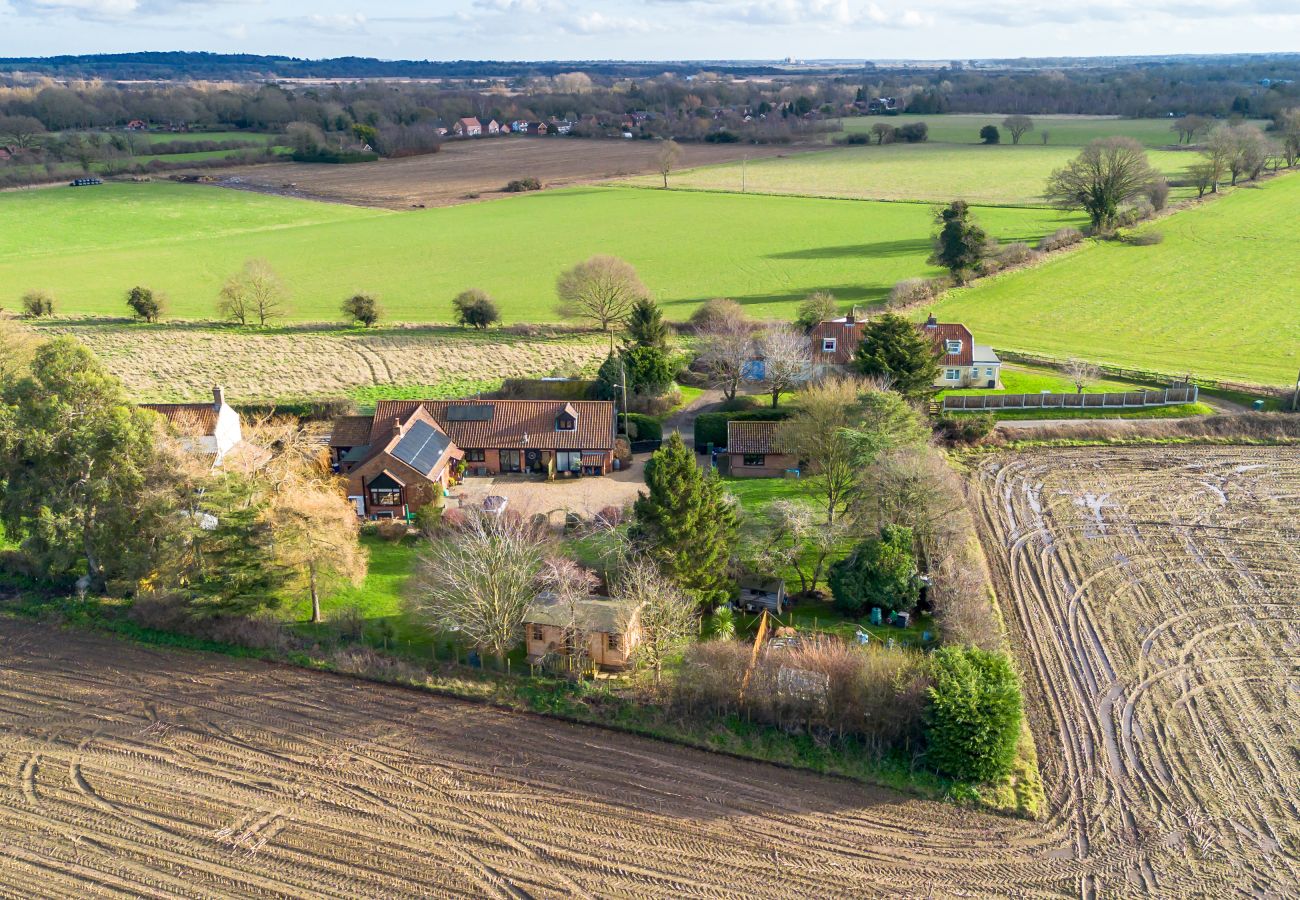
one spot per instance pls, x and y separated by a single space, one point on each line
652 29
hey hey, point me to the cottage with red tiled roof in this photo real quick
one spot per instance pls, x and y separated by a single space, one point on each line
208 428
755 452
962 362
551 438
469 126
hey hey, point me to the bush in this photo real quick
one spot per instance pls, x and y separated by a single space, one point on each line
881 571
476 308
916 133
1016 253
326 155
739 403
1138 212
972 723
854 139
711 428
145 304
722 137
38 303
1144 238
644 428
520 185
362 308
1158 194
716 312
912 291
648 370
966 428
1060 238
391 530
989 134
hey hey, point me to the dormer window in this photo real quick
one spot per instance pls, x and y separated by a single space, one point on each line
953 346
828 345
567 420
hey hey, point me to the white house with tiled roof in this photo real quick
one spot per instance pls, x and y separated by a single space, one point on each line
962 362
209 428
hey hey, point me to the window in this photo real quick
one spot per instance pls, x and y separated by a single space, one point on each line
568 461
510 461
755 459
565 422
537 632
828 345
953 346
385 496
952 374
475 456
988 373
614 642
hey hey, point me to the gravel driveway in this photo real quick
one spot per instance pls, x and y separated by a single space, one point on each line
530 495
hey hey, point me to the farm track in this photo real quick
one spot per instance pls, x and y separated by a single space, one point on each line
125 771
1154 596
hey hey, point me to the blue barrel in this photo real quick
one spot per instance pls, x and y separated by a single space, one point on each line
875 615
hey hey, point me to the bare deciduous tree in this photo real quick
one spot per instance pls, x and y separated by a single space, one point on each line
817 434
571 584
1288 126
668 616
255 293
1081 373
726 347
1188 127
601 290
1019 126
787 356
667 158
478 582
797 537
1107 174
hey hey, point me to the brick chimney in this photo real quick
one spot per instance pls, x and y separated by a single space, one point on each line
932 322
851 317
218 396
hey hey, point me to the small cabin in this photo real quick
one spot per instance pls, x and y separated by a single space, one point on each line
761 593
612 628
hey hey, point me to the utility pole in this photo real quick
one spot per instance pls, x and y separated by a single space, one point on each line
744 161
1295 397
622 369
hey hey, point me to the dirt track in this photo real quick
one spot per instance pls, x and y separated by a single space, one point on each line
480 167
1158 608
1156 602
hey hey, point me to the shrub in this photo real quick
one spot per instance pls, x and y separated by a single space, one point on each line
722 137
966 428
972 722
916 133
391 530
648 370
38 303
881 571
858 138
912 291
1144 238
520 185
1131 215
1016 254
644 428
818 306
1060 238
715 313
349 622
989 134
362 308
738 403
475 307
145 304
1158 194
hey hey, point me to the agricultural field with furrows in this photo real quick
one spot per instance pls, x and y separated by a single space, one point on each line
181 362
1217 298
1153 598
89 246
931 172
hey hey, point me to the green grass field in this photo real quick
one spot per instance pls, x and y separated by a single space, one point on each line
932 172
89 246
1218 298
1063 131
1036 379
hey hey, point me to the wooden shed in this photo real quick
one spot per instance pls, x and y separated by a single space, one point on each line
612 627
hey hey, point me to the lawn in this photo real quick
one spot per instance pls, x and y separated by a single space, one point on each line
1217 298
1178 411
931 172
765 252
1063 131
1035 380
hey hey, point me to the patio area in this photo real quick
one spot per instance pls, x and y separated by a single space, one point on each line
532 494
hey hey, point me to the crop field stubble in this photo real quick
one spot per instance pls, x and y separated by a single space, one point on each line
1153 594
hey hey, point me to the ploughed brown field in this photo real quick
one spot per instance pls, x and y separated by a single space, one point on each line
1152 595
480 166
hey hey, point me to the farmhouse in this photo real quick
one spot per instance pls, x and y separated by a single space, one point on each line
612 628
753 450
212 428
409 451
467 127
136 125
962 362
492 127
537 128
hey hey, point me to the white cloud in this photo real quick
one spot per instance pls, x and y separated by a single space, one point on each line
596 22
89 9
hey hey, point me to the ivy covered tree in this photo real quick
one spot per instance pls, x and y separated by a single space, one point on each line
881 571
972 723
960 243
363 309
686 524
894 348
145 304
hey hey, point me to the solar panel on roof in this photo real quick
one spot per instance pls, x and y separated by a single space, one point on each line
421 447
472 412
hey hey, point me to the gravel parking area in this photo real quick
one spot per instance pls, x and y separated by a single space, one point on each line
529 494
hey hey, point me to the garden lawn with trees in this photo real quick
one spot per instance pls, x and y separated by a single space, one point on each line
767 253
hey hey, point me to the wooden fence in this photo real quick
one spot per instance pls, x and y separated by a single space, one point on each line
1121 400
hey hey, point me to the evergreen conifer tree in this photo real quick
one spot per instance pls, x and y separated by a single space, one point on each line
893 347
686 523
959 245
645 325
